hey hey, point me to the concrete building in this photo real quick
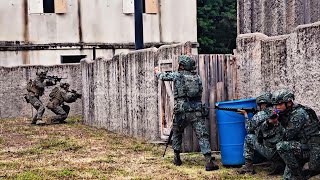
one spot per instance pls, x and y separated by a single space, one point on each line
50 32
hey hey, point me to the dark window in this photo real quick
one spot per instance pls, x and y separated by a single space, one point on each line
143 6
72 58
48 6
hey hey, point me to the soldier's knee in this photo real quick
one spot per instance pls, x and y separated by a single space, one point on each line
64 116
66 108
282 147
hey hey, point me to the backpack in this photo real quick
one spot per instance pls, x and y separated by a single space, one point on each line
31 87
54 93
193 86
313 126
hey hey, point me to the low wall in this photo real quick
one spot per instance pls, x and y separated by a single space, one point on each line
13 83
121 94
289 61
275 17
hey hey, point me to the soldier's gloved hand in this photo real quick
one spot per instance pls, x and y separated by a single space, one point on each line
244 112
156 70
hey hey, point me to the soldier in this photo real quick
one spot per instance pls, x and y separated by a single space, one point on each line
301 136
188 109
261 137
56 103
35 89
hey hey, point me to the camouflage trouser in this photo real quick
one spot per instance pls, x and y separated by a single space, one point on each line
61 113
197 121
295 155
251 145
37 104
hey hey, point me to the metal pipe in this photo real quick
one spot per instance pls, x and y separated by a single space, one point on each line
94 53
138 24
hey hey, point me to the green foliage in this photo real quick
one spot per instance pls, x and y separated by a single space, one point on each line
217 26
65 173
29 175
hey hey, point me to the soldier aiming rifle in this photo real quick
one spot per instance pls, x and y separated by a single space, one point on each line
54 78
35 89
56 103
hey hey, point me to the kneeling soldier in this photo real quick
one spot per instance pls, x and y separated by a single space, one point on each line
56 104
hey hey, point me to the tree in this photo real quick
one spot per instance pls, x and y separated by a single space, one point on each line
217 26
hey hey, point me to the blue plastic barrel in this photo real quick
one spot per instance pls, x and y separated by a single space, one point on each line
231 129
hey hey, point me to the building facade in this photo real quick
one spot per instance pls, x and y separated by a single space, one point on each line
50 32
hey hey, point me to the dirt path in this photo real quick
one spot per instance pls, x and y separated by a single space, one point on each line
75 151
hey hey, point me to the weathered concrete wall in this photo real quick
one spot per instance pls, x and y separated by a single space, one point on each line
121 94
288 61
13 83
276 17
48 57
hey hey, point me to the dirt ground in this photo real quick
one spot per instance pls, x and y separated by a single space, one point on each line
76 151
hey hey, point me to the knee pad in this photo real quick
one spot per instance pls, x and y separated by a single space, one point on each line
283 147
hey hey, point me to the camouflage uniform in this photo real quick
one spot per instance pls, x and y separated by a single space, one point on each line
301 138
188 110
35 89
261 137
56 102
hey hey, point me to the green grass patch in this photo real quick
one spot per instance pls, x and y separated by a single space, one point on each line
29 151
29 175
2 141
59 145
138 147
64 173
8 165
74 119
121 172
108 159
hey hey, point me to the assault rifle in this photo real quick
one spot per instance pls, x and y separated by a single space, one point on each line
249 110
168 142
76 94
54 78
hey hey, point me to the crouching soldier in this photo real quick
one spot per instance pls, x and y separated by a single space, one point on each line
262 137
35 90
56 103
301 136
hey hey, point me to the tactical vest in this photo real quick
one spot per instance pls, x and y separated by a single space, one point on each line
56 94
31 87
192 86
312 126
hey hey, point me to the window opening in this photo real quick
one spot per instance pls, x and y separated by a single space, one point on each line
72 58
48 6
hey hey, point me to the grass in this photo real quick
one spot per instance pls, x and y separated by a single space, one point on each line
75 151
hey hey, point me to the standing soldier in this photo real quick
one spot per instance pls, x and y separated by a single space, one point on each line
188 109
261 137
35 89
301 136
56 103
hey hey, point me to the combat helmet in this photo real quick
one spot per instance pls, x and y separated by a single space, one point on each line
264 97
42 74
64 85
187 61
282 96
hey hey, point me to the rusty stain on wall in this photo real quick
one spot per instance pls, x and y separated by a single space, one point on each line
80 25
25 54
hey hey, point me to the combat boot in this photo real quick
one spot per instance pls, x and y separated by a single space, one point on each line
210 165
277 168
176 159
40 122
247 168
